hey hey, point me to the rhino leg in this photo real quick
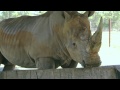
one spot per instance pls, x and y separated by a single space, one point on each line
1 58
45 63
7 65
73 64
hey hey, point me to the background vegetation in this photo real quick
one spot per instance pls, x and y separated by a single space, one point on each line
113 15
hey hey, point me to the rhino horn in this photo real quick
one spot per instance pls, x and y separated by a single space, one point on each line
95 41
89 13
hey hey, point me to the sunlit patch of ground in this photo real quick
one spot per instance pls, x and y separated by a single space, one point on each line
109 55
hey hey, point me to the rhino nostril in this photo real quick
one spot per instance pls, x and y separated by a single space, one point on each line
74 44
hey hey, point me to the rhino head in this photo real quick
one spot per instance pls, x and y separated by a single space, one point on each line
81 45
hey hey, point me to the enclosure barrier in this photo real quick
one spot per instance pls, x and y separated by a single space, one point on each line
104 72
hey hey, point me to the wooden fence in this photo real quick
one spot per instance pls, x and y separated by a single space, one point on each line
105 72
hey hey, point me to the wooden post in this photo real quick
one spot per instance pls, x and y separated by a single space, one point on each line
109 32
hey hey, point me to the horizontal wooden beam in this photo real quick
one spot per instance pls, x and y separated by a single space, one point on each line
106 72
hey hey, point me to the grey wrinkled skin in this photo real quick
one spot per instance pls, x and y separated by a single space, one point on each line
56 38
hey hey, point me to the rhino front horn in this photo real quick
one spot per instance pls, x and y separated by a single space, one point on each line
95 41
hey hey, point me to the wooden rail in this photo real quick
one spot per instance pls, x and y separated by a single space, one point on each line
106 72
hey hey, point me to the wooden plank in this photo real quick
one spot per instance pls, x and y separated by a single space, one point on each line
106 72
117 68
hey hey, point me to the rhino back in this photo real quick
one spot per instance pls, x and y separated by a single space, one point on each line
26 38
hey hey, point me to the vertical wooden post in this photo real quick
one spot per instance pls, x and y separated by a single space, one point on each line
109 32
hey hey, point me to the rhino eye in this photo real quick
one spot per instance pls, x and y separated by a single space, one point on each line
74 44
84 28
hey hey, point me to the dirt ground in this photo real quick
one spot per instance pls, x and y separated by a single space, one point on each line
109 55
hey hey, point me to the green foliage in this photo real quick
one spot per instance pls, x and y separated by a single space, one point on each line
113 15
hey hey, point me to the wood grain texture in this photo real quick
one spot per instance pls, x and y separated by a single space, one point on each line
106 72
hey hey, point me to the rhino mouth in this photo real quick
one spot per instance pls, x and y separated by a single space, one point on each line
86 65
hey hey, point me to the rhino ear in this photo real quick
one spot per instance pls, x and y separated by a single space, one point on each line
89 13
67 15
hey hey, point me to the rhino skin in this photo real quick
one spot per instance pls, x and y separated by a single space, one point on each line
56 38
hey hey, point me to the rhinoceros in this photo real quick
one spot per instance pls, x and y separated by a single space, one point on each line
50 40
